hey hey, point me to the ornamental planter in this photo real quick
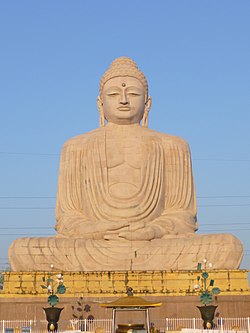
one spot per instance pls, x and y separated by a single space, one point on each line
207 314
52 317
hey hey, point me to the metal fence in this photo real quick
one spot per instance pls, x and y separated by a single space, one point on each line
33 326
9 326
222 324
104 325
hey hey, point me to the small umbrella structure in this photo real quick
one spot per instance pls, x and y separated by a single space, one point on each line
130 303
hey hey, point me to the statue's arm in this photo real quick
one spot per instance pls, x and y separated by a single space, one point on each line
179 215
71 217
179 207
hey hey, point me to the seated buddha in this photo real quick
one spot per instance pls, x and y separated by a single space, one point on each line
126 196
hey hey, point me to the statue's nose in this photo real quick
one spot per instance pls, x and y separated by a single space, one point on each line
124 99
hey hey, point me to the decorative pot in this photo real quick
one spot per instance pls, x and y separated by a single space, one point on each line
207 314
52 317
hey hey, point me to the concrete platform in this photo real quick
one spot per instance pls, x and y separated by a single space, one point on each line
23 297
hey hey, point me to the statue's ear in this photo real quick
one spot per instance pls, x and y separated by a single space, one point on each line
100 110
148 104
146 111
99 104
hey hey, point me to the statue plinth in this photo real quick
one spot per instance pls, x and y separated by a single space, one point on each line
114 284
23 292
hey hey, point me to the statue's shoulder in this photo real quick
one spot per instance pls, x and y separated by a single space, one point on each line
82 139
170 140
176 141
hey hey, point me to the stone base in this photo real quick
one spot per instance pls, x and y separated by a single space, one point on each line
114 284
24 297
31 308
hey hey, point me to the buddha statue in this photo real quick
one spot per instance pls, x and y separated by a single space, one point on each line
126 196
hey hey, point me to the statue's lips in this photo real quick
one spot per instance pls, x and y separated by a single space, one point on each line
124 108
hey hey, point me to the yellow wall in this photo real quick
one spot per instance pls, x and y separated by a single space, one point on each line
144 283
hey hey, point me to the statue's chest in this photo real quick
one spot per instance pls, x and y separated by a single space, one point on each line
124 163
123 151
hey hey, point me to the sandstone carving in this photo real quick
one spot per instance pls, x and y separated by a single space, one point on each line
126 197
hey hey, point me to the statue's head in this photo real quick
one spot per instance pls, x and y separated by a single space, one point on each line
124 94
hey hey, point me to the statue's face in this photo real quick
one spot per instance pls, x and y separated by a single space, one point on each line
123 100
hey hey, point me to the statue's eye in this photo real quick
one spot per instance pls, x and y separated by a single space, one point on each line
113 93
133 94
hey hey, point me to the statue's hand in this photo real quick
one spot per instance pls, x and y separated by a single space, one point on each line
80 228
123 227
114 226
143 234
98 230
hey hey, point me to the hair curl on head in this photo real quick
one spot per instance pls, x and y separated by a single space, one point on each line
124 66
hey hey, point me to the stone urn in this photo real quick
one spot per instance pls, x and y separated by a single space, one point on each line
207 315
52 317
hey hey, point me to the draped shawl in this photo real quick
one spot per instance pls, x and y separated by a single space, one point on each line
83 190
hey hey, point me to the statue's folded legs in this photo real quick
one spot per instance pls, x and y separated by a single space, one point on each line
66 254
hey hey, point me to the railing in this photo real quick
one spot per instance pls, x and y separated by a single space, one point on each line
91 325
33 326
104 325
221 324
9 326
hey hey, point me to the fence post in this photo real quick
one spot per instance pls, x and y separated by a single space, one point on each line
194 324
166 324
85 324
248 324
221 324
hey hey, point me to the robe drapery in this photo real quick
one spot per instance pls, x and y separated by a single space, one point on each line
165 197
164 200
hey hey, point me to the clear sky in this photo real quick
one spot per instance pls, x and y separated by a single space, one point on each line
195 54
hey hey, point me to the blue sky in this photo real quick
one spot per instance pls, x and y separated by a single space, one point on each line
195 55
